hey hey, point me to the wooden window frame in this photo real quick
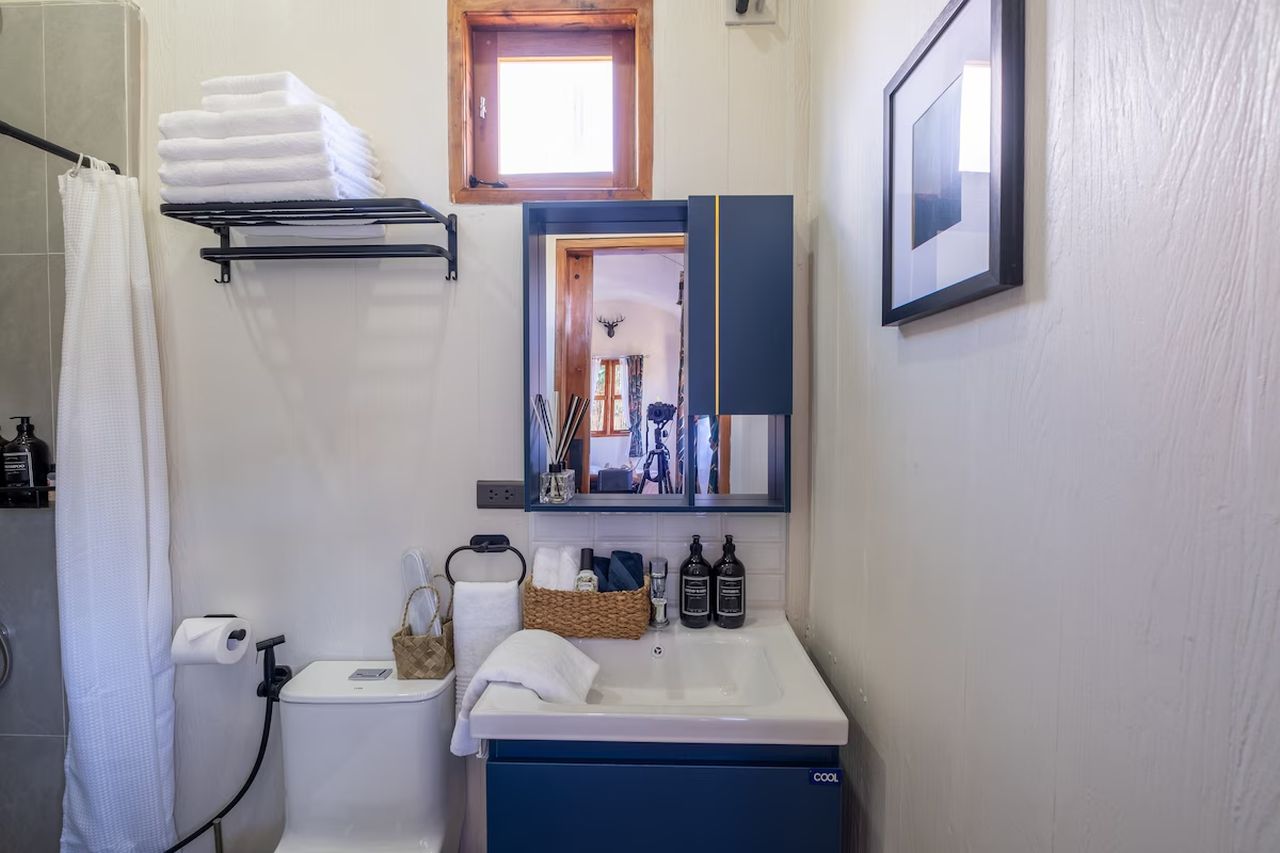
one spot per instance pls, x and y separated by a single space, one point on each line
611 367
633 165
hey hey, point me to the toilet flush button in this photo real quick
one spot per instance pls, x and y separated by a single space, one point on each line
369 674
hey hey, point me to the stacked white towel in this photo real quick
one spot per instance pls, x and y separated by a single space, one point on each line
264 137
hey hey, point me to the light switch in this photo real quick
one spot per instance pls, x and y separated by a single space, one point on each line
758 12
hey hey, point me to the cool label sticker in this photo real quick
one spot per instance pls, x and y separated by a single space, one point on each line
826 776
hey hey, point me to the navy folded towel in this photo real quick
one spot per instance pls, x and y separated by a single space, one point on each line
600 565
626 571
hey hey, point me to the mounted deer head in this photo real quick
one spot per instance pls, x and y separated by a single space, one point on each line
610 325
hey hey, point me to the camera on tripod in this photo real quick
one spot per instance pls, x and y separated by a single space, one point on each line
657 465
661 413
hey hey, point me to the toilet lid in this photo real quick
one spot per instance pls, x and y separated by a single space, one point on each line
359 681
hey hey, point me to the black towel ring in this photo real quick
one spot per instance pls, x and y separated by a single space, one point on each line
486 543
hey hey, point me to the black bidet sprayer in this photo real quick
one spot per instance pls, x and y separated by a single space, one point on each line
273 679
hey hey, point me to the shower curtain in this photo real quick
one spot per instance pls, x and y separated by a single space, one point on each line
635 400
112 529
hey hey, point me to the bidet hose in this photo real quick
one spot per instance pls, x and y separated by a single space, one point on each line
262 752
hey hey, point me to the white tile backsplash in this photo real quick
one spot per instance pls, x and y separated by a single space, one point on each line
627 525
756 528
761 541
682 526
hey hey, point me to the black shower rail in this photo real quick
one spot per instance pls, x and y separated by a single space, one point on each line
54 148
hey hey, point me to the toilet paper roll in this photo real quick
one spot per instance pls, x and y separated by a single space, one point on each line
209 640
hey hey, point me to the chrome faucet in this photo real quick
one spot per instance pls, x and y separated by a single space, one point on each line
658 592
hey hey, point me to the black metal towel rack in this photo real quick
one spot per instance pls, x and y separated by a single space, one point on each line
487 543
54 148
221 217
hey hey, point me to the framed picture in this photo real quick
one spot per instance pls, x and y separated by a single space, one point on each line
953 163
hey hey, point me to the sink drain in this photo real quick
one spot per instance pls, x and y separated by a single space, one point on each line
657 651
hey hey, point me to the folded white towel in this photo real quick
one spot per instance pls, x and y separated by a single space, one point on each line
315 190
252 84
309 117
259 101
547 572
252 170
270 145
570 565
336 231
484 614
547 664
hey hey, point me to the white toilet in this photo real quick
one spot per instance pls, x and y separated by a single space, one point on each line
367 765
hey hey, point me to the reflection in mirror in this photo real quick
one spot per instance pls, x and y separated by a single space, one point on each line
731 455
617 304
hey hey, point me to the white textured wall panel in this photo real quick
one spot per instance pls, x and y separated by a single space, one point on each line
323 416
1046 549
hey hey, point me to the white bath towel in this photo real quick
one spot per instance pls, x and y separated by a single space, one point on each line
260 101
252 84
316 190
545 663
270 145
484 614
207 125
335 231
254 170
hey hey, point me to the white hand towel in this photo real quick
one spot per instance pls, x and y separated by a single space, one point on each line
270 145
484 614
259 101
570 563
547 664
252 84
256 170
207 125
546 568
323 189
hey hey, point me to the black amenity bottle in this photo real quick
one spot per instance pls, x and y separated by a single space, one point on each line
695 588
730 588
26 466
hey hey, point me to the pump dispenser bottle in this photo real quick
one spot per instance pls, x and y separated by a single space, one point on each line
730 588
695 588
26 466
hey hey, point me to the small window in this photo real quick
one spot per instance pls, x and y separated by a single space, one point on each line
550 99
608 409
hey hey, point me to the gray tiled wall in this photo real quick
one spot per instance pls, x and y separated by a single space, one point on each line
32 717
70 74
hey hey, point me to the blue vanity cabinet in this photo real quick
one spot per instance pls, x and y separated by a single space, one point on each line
552 797
740 266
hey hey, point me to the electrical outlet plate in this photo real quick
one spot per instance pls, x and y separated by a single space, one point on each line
499 494
759 12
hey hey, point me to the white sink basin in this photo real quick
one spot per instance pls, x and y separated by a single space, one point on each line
680 685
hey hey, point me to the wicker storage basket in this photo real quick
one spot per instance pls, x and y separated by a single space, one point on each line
612 615
423 656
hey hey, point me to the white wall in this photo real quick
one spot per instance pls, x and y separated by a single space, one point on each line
1046 526
324 416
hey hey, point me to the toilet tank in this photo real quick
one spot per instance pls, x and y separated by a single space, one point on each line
368 761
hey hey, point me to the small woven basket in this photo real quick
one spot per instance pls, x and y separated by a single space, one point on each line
611 615
424 655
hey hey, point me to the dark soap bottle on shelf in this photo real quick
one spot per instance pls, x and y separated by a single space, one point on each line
26 466
730 584
695 588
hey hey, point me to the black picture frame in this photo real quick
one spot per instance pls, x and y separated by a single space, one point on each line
1008 31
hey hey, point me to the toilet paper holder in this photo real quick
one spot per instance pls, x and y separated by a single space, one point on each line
238 634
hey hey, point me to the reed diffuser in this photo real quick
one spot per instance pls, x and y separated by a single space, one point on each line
558 484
